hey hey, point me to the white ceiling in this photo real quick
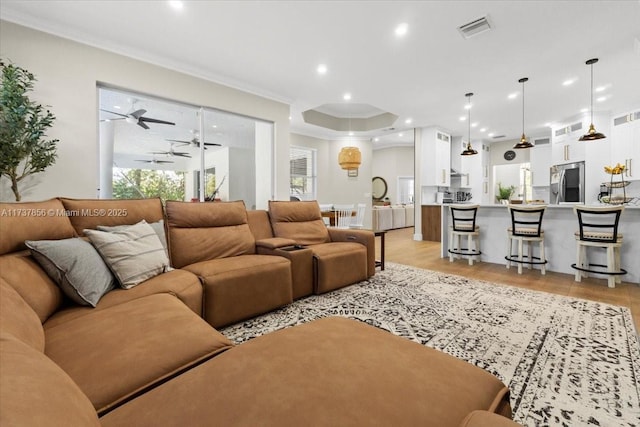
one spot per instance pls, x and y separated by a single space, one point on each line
273 48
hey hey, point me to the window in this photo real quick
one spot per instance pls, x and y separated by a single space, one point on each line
302 170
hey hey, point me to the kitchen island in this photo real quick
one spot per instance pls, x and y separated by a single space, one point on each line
559 224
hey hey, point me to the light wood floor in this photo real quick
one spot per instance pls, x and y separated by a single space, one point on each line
402 249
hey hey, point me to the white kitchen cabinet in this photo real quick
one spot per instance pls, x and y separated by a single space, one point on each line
625 143
565 145
540 159
436 158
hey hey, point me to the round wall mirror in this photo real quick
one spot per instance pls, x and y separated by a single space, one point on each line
379 188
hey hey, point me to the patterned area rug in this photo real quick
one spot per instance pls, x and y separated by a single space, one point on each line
567 361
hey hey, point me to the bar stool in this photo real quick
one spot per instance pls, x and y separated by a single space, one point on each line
464 225
598 227
526 227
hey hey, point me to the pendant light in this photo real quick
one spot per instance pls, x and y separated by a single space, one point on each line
592 135
523 139
469 151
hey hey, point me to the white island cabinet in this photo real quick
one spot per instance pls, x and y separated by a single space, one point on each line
436 157
559 224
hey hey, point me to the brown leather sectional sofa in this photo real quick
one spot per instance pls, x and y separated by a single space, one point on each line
151 356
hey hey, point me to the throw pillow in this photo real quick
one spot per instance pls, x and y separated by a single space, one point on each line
134 254
75 265
158 227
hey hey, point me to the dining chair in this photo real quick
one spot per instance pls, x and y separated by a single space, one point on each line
326 207
358 220
342 215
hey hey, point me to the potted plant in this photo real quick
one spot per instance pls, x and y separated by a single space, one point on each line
24 149
504 193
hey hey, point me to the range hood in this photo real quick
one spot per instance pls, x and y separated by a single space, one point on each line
455 172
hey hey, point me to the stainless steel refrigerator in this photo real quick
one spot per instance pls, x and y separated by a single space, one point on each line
567 183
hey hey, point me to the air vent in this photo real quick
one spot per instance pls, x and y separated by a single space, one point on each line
498 136
442 136
576 126
626 118
475 27
542 141
561 131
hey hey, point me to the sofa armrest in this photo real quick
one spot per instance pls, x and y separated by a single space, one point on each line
274 243
301 264
364 237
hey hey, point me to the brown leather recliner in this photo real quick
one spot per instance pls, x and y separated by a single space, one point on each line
341 257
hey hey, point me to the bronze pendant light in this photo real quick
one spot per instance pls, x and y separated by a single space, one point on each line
523 139
592 135
469 151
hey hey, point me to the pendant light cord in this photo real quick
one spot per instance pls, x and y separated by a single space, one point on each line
523 108
469 118
591 65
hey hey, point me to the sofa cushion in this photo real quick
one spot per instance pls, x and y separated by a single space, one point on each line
32 221
134 253
204 231
158 227
75 265
34 391
119 352
329 372
244 286
339 264
18 319
24 275
90 213
182 284
300 221
480 418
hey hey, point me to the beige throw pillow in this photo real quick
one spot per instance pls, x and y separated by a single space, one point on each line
134 254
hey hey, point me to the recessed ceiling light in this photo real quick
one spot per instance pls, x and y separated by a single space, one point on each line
401 30
117 107
483 129
322 69
376 139
176 4
474 124
346 97
350 133
513 95
289 117
547 124
491 134
600 88
601 99
468 106
400 135
584 110
408 121
215 126
568 82
463 118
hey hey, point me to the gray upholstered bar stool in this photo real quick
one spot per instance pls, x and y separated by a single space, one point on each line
598 228
463 224
526 227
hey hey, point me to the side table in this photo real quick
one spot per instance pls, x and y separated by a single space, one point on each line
381 233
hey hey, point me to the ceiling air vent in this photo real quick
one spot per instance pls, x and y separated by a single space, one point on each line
626 118
475 27
498 136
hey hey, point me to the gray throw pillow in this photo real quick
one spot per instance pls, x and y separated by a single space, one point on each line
158 227
75 265
134 254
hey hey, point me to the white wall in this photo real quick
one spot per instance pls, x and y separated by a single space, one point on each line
68 73
391 163
334 186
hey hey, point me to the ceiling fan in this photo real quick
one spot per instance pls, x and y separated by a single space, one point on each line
155 161
172 153
195 142
137 117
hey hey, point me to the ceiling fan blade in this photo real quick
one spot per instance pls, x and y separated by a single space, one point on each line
163 161
180 154
213 143
144 161
124 116
142 125
183 142
138 113
159 152
150 120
